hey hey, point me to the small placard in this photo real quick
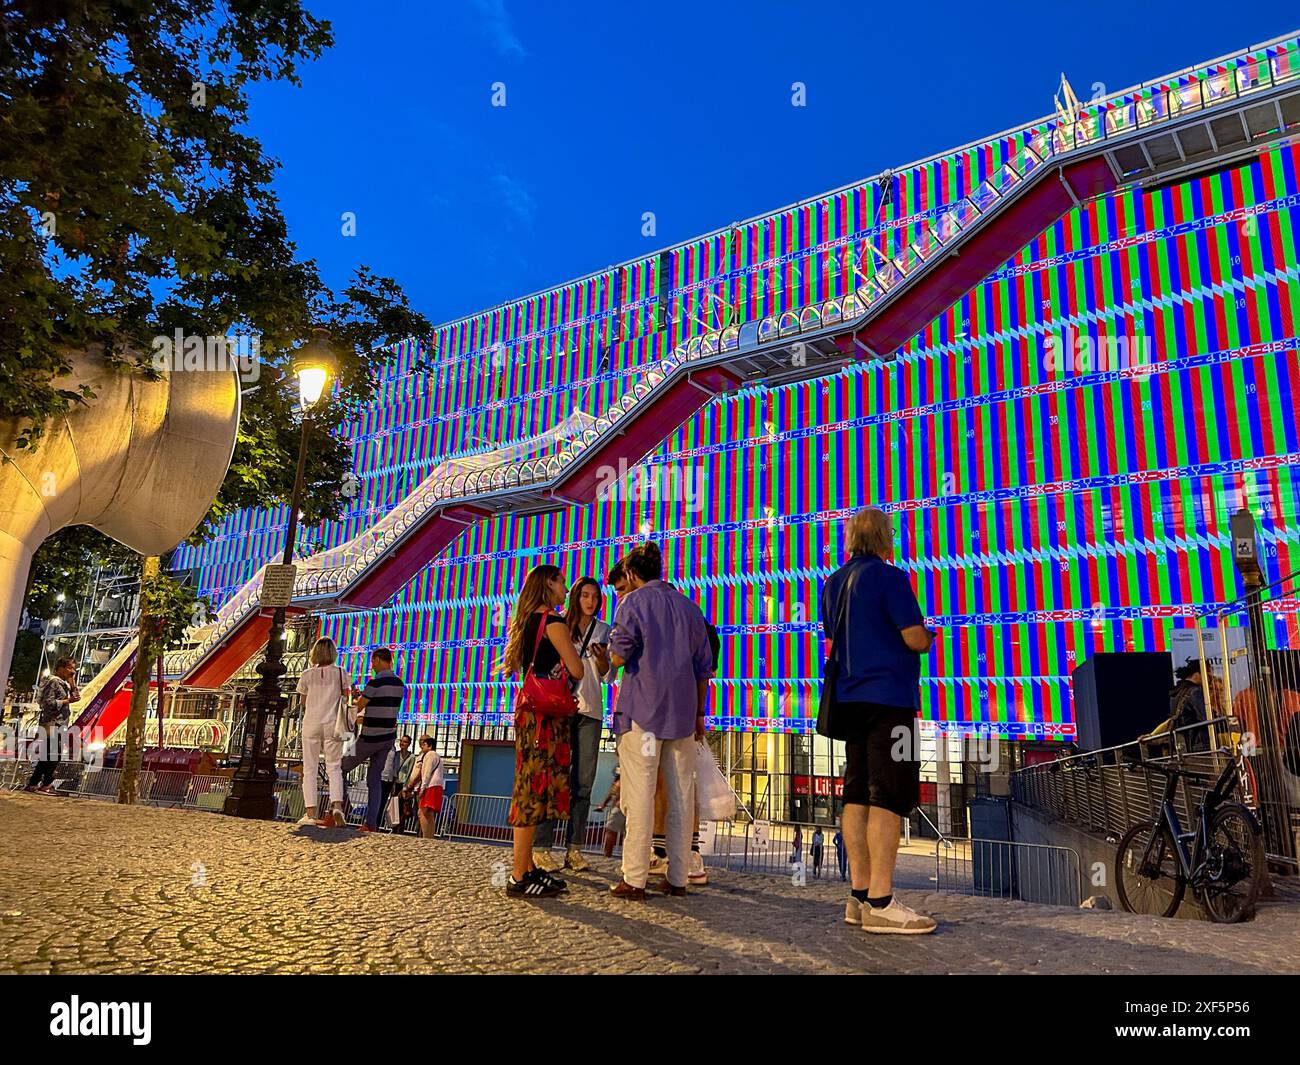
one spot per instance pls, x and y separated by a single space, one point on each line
277 585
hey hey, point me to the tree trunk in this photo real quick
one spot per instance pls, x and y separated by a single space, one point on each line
127 788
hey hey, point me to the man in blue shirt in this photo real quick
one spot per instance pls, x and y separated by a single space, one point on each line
877 649
661 643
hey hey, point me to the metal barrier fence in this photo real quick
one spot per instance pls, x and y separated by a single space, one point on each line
1113 789
998 869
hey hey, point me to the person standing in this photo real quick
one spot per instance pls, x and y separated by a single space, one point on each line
841 854
614 820
815 850
877 634
539 641
55 694
322 685
396 770
426 782
379 706
1187 707
591 635
796 849
661 643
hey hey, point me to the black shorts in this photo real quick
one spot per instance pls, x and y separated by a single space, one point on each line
884 762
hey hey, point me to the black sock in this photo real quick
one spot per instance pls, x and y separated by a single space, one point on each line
695 842
860 895
882 902
660 845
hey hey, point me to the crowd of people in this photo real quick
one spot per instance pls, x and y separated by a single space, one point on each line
661 653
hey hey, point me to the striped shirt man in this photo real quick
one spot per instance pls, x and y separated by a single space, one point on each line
384 695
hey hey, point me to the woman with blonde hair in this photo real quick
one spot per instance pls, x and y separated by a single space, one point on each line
322 685
539 641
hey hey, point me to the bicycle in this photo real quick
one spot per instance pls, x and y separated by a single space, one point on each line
1224 866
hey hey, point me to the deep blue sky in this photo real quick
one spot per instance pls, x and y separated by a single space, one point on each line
683 109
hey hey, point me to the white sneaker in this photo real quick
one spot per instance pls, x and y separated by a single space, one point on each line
658 866
698 875
545 861
306 819
896 919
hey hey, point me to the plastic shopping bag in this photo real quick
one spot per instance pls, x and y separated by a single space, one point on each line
713 795
394 812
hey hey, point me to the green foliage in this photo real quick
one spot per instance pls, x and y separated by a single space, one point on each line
65 565
170 608
26 661
134 202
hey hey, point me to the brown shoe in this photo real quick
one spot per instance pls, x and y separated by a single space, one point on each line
665 888
624 890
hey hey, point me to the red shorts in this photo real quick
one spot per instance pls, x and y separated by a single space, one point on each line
431 798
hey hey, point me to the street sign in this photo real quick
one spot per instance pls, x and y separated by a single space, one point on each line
277 585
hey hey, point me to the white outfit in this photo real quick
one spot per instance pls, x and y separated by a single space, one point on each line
591 691
320 687
639 758
427 772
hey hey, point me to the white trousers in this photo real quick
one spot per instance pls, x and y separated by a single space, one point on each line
318 735
639 759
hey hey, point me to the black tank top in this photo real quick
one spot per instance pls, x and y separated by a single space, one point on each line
548 658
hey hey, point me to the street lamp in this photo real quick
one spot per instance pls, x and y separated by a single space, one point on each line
252 790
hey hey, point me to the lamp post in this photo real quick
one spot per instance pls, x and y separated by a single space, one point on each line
252 791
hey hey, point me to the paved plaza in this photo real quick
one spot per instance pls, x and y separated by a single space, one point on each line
91 887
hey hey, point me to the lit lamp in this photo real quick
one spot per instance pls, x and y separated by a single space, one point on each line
252 790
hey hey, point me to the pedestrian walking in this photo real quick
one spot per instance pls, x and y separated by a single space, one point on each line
540 649
54 696
425 786
661 643
590 635
877 634
324 687
379 706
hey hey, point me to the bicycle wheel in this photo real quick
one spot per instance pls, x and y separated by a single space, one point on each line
1147 875
1234 866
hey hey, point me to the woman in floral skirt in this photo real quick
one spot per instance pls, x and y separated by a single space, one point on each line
542 754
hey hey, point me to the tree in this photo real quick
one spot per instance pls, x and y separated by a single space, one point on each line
134 202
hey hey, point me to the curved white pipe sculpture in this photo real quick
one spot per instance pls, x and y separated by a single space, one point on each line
141 462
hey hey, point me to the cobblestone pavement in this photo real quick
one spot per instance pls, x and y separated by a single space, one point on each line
88 887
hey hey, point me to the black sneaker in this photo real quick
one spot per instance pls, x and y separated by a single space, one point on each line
559 883
531 886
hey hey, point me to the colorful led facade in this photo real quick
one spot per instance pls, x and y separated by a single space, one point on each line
1062 448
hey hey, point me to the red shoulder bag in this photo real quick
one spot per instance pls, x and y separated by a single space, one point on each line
545 696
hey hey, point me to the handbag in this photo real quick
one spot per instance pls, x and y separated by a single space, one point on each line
545 696
345 723
713 795
394 812
830 721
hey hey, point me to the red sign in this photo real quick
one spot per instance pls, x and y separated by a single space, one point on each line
819 786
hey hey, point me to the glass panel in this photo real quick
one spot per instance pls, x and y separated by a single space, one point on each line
730 338
1217 87
1041 144
870 292
767 329
927 243
888 276
1252 75
830 311
1153 109
1006 176
789 323
1087 129
1063 138
1185 98
1286 65
1026 161
947 225
809 318
852 306
1119 119
984 196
